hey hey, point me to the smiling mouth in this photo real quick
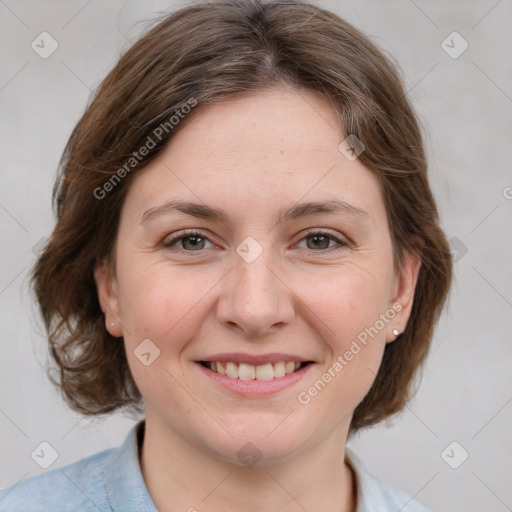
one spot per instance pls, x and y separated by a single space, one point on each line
245 371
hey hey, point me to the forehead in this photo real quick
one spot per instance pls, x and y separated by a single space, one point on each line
266 149
268 123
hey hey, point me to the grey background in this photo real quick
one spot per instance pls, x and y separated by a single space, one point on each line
465 104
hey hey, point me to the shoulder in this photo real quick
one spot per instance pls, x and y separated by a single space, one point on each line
79 486
375 495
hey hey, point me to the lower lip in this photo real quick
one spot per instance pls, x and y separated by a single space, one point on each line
255 387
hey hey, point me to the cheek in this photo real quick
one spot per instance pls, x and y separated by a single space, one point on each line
348 299
346 310
166 306
156 299
159 307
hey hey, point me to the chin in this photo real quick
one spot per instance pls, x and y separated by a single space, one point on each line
263 453
259 441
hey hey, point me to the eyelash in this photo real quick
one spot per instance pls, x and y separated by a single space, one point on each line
319 232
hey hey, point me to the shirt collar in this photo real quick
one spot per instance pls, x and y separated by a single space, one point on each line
126 488
369 490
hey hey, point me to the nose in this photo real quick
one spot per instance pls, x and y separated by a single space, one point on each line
255 299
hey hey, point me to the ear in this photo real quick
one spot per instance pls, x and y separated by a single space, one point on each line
106 285
402 294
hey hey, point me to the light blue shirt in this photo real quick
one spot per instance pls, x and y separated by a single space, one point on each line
112 481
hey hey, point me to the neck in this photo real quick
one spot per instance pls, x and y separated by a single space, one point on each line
183 476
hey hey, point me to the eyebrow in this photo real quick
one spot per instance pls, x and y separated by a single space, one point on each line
203 211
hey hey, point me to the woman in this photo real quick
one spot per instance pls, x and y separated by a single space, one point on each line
248 251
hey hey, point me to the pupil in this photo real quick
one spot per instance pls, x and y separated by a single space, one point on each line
320 238
193 240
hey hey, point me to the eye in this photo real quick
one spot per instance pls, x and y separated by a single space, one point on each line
190 241
321 240
195 241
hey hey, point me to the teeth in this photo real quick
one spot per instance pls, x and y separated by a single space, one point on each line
289 367
245 371
264 372
279 370
232 370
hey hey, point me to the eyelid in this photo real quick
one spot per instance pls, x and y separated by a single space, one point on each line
342 241
175 237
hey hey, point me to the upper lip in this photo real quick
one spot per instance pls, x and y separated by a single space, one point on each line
252 359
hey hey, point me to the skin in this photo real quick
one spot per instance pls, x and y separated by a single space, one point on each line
251 157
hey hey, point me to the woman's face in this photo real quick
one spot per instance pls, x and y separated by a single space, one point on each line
255 285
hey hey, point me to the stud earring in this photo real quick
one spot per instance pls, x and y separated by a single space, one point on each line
396 332
112 324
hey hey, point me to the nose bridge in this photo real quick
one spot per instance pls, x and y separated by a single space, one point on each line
254 297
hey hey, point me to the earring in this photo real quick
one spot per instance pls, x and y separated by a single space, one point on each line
111 324
396 332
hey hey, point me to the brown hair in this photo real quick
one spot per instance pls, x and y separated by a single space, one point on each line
240 47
